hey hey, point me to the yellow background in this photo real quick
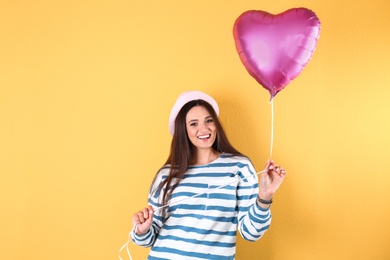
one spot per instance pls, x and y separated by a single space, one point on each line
86 88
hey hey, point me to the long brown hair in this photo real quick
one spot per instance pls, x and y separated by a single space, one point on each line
182 150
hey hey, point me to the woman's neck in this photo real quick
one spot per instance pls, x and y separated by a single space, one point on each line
205 156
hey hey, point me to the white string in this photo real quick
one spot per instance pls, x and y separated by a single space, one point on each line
199 194
127 244
272 128
127 249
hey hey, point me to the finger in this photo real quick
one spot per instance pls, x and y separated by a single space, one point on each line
145 213
136 221
281 170
272 169
151 210
141 218
269 163
280 173
269 167
150 219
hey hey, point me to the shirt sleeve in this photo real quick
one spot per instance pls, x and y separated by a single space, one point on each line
253 221
148 239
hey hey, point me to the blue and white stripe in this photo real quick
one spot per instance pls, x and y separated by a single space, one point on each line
205 226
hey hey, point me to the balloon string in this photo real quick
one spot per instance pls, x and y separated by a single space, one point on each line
199 194
272 128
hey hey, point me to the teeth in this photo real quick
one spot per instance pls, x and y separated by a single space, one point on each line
203 136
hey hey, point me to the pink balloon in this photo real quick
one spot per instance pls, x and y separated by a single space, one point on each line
275 48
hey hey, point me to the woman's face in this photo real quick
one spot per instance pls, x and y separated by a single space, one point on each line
201 129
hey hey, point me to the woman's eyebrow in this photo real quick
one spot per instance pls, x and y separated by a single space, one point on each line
193 120
196 120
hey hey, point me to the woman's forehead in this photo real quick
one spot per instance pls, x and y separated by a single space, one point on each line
197 112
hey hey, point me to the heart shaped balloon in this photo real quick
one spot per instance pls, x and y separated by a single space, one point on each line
275 48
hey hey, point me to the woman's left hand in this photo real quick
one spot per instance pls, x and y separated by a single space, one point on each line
270 180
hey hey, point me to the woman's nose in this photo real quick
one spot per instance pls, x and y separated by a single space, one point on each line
203 126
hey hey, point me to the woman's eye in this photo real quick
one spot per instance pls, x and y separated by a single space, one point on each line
193 124
209 120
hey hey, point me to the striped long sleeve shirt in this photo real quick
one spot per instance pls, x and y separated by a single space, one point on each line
205 211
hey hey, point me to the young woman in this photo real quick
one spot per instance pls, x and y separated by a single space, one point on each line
206 190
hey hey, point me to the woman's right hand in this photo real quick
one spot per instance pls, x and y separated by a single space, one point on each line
143 219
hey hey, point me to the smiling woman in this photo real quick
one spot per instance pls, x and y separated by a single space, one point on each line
187 215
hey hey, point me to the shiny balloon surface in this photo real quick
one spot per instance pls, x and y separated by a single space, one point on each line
275 48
